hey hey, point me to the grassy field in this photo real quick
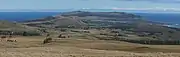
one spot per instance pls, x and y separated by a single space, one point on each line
74 47
79 41
82 45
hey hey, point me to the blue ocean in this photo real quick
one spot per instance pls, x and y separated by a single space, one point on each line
22 16
173 18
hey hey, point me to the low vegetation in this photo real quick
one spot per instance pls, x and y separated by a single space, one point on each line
90 34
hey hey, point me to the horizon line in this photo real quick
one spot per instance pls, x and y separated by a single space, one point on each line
90 10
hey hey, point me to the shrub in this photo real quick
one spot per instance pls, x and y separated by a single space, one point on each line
47 40
16 32
30 33
63 30
86 31
3 36
103 34
114 31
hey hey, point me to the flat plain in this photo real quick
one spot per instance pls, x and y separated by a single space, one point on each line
75 47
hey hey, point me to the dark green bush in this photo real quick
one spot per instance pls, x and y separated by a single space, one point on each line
30 33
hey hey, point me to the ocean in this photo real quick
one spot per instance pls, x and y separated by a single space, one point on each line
22 16
173 18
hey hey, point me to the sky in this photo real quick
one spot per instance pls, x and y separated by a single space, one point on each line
162 5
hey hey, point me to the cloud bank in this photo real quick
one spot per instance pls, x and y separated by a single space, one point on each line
150 9
159 1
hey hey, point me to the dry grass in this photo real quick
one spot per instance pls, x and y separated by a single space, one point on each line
74 52
116 46
73 47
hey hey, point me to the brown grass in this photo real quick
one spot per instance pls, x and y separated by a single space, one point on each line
33 47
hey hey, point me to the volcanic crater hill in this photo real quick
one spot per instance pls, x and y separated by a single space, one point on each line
94 19
118 20
79 18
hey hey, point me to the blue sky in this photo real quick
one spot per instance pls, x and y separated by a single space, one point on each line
92 4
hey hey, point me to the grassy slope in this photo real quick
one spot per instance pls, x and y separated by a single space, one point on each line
17 28
107 19
81 45
32 46
59 21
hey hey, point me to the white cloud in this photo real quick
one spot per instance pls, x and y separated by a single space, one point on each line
151 9
159 1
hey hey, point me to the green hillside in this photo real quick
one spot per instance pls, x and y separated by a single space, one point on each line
108 20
